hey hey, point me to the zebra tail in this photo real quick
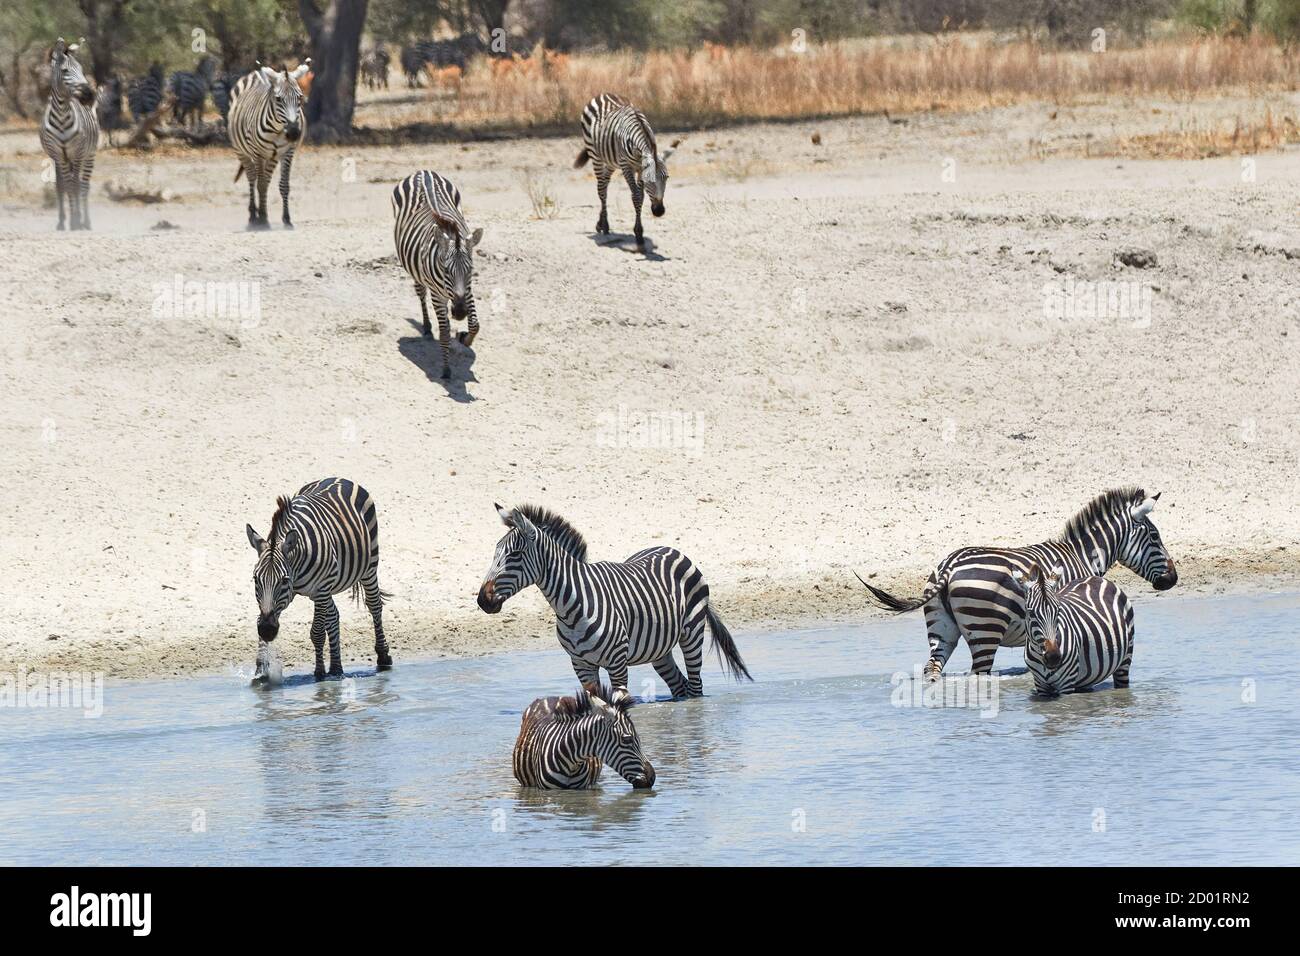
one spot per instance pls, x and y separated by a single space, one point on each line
356 594
583 156
239 172
890 603
728 655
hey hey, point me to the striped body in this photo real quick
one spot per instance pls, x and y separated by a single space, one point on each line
265 125
617 136
322 542
436 249
564 743
611 614
70 134
190 91
974 592
1079 634
145 93
223 86
374 68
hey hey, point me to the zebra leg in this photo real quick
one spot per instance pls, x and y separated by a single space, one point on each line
602 190
263 183
983 648
467 338
1121 674
668 672
586 673
943 633
638 194
375 602
693 654
87 167
444 336
250 173
59 187
427 331
332 632
318 631
285 164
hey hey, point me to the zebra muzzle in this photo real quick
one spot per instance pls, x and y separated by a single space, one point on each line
267 630
1052 654
487 598
657 208
1166 580
645 780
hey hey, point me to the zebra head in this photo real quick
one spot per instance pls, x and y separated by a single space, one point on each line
66 75
1140 547
273 574
1041 608
604 715
285 104
453 255
654 176
515 565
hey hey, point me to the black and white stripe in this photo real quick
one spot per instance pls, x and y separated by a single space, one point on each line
145 93
374 68
436 249
70 133
223 85
1079 634
265 125
189 90
323 541
564 742
611 614
974 594
616 135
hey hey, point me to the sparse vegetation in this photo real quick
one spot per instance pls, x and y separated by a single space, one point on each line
541 196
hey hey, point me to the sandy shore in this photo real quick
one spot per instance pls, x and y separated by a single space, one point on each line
836 357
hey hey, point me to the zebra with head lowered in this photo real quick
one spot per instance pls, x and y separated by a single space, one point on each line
1079 634
436 249
616 135
974 594
564 742
611 614
265 126
70 133
323 541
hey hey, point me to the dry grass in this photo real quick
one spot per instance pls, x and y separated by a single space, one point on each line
1242 137
716 85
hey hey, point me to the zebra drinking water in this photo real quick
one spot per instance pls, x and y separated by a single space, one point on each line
323 541
616 135
973 593
265 126
1079 634
565 741
70 133
436 249
611 614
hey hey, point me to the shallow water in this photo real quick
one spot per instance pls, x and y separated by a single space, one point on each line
816 763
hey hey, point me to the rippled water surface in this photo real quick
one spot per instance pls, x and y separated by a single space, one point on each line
826 759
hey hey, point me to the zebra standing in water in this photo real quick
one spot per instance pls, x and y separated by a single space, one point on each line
322 542
565 741
265 126
1079 634
611 614
70 133
436 249
974 593
616 135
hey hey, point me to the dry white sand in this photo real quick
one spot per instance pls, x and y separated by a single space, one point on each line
834 359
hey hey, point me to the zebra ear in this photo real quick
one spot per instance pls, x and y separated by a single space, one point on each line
621 700
663 157
290 541
505 516
255 539
520 520
476 238
1140 511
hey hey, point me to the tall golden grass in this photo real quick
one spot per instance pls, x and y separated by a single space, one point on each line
715 85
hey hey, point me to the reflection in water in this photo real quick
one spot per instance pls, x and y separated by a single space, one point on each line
819 762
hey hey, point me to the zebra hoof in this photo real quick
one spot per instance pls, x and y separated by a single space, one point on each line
446 373
384 664
288 224
320 673
257 227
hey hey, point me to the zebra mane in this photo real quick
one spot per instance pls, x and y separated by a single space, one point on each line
564 534
645 126
1105 503
580 704
283 506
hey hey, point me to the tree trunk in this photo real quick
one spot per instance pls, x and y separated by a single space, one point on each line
335 55
493 15
104 22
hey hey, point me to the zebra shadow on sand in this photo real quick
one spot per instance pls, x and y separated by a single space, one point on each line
426 355
626 242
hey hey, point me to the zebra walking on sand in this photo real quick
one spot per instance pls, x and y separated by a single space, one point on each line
616 135
564 742
70 133
265 126
436 249
323 541
974 592
1079 634
611 614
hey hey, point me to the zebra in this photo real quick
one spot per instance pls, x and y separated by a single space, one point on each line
611 614
564 742
265 127
1079 634
190 90
108 104
973 593
436 249
616 135
223 84
323 541
374 68
145 93
70 132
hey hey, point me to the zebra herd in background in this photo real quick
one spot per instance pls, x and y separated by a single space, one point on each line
189 90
